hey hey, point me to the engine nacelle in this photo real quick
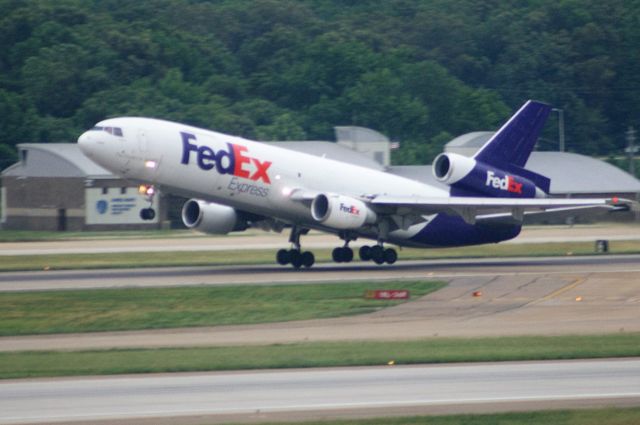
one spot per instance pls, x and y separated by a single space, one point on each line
450 168
475 177
209 217
341 212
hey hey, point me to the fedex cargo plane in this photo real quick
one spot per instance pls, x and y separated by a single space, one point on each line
237 183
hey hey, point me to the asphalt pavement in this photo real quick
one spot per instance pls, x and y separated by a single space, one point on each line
369 390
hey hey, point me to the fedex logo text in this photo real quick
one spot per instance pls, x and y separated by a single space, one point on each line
350 209
507 183
232 161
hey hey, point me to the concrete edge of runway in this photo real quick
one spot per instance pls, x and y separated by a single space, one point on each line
490 404
372 413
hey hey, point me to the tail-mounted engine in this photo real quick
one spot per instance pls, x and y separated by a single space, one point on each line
472 177
341 212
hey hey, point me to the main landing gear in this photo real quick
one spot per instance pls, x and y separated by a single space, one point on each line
295 256
378 254
342 254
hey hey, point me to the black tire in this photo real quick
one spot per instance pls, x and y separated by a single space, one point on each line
377 254
295 258
337 255
282 257
365 253
347 254
147 214
390 255
308 259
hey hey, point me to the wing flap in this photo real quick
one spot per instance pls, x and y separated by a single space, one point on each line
472 209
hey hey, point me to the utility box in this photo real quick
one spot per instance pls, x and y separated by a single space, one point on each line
602 245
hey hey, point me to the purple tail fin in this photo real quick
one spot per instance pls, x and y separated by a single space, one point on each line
513 143
511 146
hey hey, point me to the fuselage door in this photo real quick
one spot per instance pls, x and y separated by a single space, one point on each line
147 156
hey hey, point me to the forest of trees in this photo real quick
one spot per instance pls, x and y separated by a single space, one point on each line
419 71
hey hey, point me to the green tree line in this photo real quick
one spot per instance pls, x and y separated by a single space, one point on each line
419 71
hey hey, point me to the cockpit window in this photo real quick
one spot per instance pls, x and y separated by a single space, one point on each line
116 131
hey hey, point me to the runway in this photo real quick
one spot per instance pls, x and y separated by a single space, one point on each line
527 296
223 275
365 391
257 240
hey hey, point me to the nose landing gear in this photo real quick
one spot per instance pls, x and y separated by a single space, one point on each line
149 192
147 213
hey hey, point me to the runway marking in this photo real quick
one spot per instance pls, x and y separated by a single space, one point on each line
560 291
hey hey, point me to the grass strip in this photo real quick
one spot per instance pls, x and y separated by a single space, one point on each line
45 236
235 257
321 354
609 416
96 310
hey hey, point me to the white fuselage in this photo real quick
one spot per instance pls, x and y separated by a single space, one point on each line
243 174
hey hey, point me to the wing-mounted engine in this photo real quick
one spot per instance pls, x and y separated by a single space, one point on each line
471 177
341 212
209 217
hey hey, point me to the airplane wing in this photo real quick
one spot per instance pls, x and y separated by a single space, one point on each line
473 209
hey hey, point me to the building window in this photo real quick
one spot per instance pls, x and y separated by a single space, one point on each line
105 190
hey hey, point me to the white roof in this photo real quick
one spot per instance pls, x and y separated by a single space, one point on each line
54 160
355 134
574 173
475 139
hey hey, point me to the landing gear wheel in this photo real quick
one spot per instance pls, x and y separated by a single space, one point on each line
308 259
342 254
390 255
365 253
336 255
282 257
147 214
295 258
377 254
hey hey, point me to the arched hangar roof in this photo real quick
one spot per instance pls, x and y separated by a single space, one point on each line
54 160
574 173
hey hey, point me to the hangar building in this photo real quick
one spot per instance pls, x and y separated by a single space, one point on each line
55 187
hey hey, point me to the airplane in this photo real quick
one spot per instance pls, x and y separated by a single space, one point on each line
235 184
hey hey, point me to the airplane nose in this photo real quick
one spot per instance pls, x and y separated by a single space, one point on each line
85 142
